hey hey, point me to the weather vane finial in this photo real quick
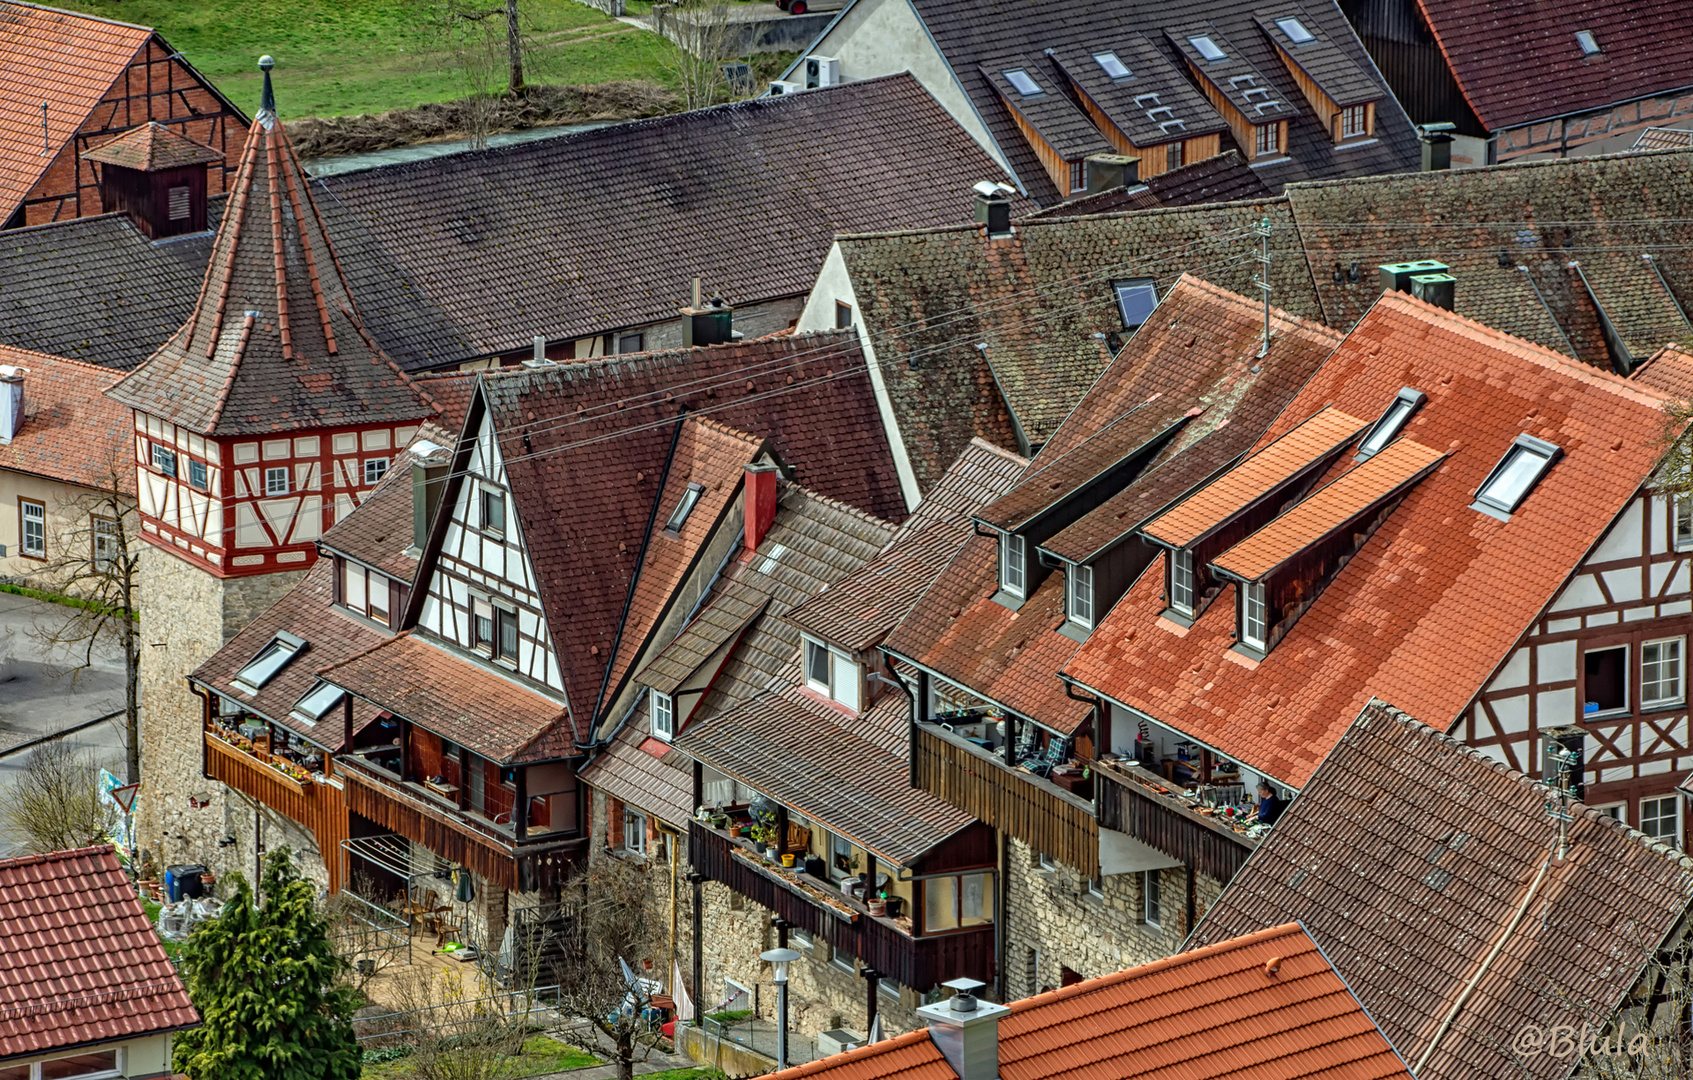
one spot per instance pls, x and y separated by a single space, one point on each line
267 99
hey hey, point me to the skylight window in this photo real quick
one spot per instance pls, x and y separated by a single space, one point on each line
1391 422
1136 299
271 659
1113 67
1207 48
319 700
1515 476
1589 44
1295 31
684 507
1022 82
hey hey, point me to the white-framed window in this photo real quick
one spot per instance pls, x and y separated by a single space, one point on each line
817 666
493 510
1254 615
684 507
801 939
1617 811
164 459
374 470
1295 30
1013 563
840 856
481 625
1354 121
505 633
197 474
1267 140
1096 888
1022 82
1683 536
1137 298
271 659
89 1065
1516 474
663 716
1078 580
1605 681
1113 67
276 480
832 673
104 531
32 528
365 592
317 701
1046 863
1207 48
1662 665
634 831
1078 176
1181 581
1660 818
1152 899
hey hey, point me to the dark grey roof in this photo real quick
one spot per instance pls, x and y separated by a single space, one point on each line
1153 104
1222 178
1325 63
1059 122
1232 74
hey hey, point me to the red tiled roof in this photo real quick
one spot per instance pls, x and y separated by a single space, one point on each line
1317 516
79 962
152 147
1202 1015
1254 478
1670 370
1432 603
71 431
1646 48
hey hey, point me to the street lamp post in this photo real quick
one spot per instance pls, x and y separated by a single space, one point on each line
780 959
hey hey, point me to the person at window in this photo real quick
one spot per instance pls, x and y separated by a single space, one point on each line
1269 806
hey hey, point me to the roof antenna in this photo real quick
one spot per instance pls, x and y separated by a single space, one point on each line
1262 278
1558 806
46 140
267 99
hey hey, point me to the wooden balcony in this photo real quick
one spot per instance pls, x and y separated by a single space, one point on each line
1054 821
886 944
1146 806
319 804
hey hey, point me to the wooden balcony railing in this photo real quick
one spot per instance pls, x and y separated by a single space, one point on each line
1040 813
318 805
888 945
1144 805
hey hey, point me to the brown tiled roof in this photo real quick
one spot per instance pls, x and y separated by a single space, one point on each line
1409 856
274 343
859 610
1055 118
331 637
1214 1012
79 962
1646 48
71 431
455 698
151 148
644 772
1426 610
1670 370
380 531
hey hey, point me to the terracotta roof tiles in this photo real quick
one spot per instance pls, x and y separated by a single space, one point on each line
1670 370
71 431
152 147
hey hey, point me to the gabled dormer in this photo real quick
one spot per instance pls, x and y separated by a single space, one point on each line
1237 503
1339 91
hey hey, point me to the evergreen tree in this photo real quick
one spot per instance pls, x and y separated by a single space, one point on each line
270 988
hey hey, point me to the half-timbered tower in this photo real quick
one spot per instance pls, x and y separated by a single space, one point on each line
261 422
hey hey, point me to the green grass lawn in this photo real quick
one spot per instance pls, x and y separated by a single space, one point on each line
336 57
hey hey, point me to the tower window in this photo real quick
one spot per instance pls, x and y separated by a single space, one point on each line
164 460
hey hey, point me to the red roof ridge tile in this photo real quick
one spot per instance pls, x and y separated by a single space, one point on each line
52 856
1009 455
111 375
835 1061
1219 295
721 428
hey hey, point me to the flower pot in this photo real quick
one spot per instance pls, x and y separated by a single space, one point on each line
788 859
879 908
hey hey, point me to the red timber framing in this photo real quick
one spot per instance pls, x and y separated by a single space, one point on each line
1632 590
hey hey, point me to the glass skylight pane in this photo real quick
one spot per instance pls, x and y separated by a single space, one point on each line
1113 67
1136 300
263 667
1387 428
684 507
1022 82
1589 44
318 701
1207 48
1295 31
1523 466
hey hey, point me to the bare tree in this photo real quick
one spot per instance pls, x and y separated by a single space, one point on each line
55 805
595 960
455 1033
698 32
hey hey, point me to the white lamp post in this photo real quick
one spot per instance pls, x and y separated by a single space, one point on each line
780 959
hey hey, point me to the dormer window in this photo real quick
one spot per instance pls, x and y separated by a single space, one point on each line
1013 563
1022 82
1267 140
271 659
1254 616
662 713
1588 44
1515 476
1181 581
318 701
1078 584
366 592
832 673
1392 422
684 507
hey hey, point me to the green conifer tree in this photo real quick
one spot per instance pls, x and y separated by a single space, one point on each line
270 988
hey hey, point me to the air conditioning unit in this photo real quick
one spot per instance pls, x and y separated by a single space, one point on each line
822 71
779 87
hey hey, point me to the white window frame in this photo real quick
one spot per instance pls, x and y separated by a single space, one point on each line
164 459
1181 582
1657 801
813 647
1045 863
1627 705
634 831
379 465
1152 899
277 654
1013 564
278 480
661 715
1254 602
1109 60
1681 522
1354 121
37 549
1208 49
1616 810
1266 133
119 1056
104 535
506 615
1078 582
1295 30
308 712
1680 648
1124 288
846 679
487 497
1022 82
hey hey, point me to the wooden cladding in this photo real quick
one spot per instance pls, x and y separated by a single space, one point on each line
1199 844
921 963
319 808
1053 822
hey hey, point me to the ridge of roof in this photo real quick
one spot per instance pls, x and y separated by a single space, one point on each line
859 1053
1454 176
138 147
111 375
16 861
79 15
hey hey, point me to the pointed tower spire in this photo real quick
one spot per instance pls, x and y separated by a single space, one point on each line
274 343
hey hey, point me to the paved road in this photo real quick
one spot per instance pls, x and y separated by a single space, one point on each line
40 695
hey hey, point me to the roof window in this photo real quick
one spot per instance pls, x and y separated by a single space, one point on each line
1136 299
1022 82
1515 476
271 659
684 507
1392 422
1207 48
1113 67
319 700
1295 30
1589 44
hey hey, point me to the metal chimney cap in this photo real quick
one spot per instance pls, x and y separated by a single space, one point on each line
964 996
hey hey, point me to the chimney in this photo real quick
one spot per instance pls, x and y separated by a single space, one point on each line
1437 146
1396 277
1436 289
966 1031
1108 171
539 360
1566 755
993 207
11 402
427 482
710 323
760 496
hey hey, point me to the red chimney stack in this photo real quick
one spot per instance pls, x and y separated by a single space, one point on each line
760 495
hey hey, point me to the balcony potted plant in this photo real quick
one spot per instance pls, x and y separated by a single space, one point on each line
878 904
765 834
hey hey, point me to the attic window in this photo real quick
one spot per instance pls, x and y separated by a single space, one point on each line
1515 476
1012 563
1135 300
684 507
319 700
1391 422
1022 82
1589 44
663 716
1207 48
271 659
1254 615
1113 67
1295 31
1181 581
